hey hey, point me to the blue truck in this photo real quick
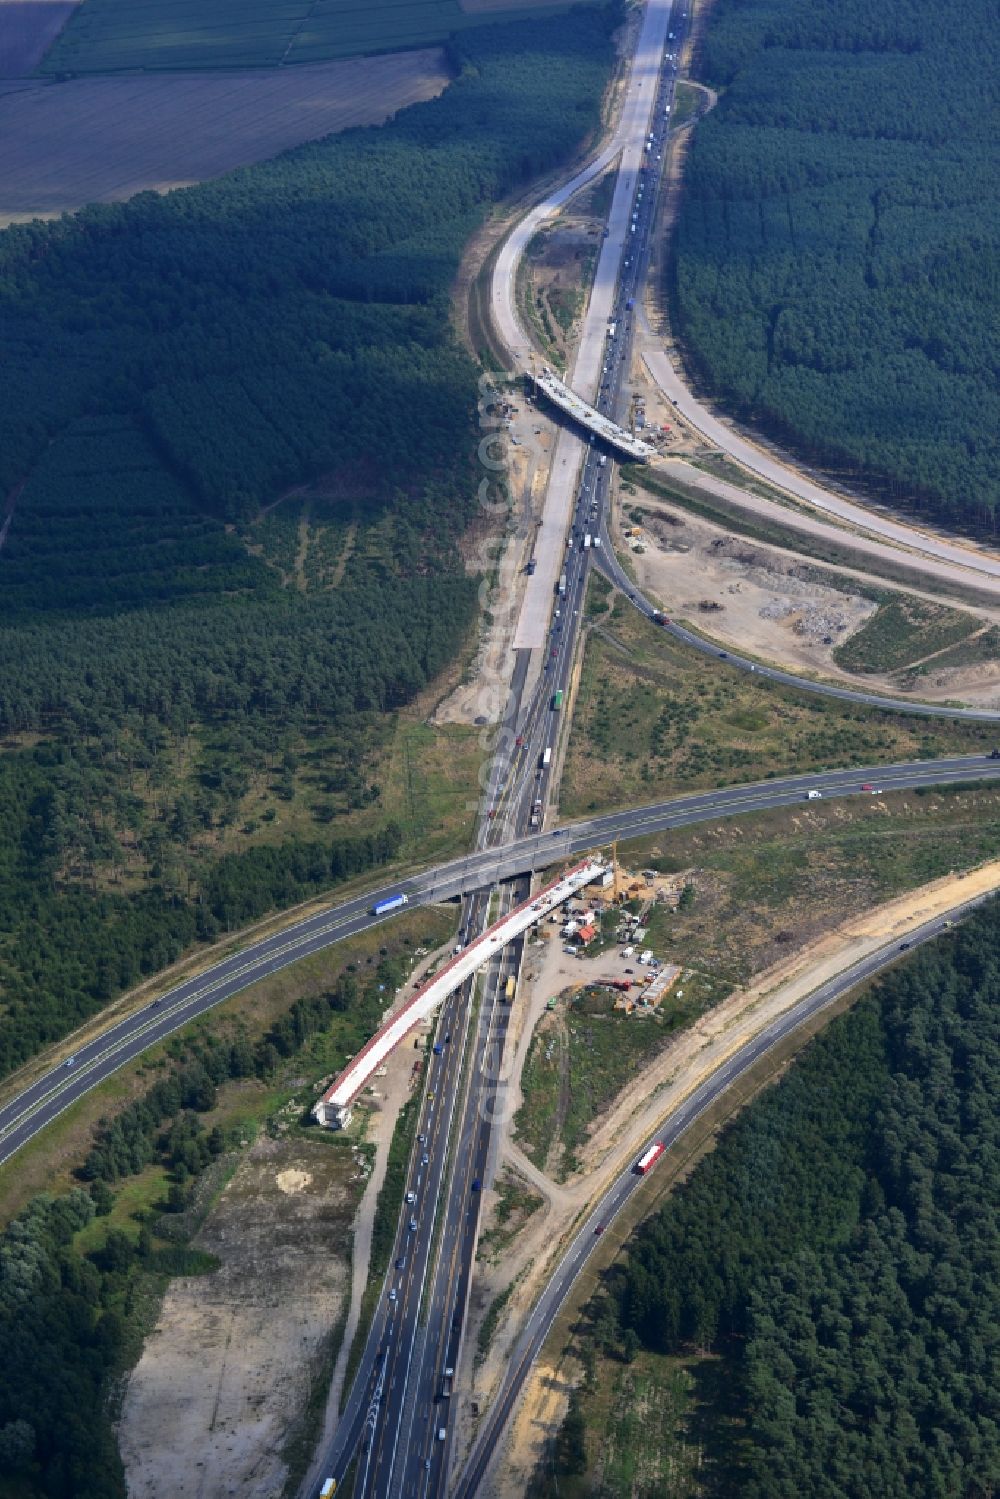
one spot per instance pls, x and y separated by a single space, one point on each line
392 903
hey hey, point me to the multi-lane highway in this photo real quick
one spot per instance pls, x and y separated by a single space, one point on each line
587 1235
588 379
395 1423
24 1115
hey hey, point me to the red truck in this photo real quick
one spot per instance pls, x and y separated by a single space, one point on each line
648 1159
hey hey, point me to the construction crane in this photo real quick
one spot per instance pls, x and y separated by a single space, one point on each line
616 889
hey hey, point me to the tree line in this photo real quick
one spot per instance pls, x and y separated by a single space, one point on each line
71 1322
838 1251
834 269
174 363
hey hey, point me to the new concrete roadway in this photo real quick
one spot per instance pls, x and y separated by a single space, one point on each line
628 141
587 1235
949 560
27 1113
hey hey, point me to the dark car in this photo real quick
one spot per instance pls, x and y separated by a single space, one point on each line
401 1262
599 1229
903 946
476 1184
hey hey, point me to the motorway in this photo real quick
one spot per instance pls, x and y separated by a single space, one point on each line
644 86
396 1418
26 1114
395 1425
396 1407
586 1236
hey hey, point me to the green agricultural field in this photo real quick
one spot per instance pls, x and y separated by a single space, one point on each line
109 36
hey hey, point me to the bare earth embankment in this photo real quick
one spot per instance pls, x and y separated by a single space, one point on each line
103 139
226 1373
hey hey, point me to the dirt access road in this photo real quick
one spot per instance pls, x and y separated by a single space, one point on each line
623 1128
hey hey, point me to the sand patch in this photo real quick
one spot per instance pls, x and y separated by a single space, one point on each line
228 1367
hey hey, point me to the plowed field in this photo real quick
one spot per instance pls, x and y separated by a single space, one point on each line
103 139
27 29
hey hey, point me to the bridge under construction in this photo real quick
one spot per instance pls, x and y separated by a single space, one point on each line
334 1108
589 417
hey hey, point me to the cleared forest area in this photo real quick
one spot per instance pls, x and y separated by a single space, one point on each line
99 140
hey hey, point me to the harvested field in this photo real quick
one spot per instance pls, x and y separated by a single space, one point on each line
226 1373
103 139
27 30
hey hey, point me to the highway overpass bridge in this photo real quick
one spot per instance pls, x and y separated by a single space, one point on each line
334 1108
589 417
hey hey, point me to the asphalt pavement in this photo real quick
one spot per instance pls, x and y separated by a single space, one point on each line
29 1111
616 574
587 1237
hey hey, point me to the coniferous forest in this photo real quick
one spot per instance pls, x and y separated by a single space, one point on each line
174 365
835 268
839 1252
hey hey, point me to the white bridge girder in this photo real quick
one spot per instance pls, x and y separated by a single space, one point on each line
333 1109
